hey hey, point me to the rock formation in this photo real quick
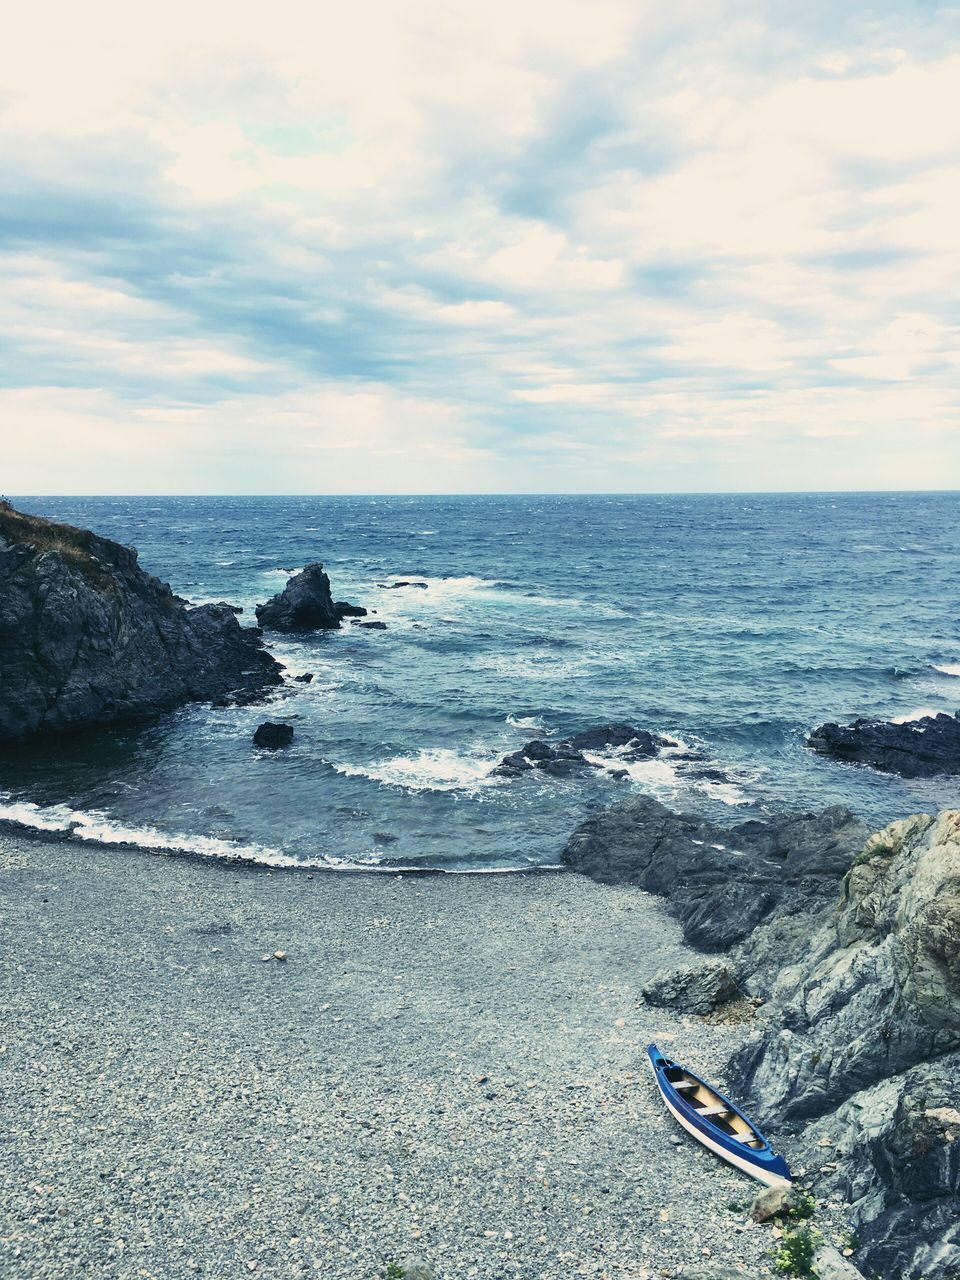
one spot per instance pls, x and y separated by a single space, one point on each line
559 758
271 736
719 882
305 604
88 638
918 749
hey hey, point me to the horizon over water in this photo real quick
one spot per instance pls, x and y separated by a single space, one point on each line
732 623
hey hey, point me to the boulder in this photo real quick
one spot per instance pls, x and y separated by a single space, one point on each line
271 736
305 604
722 882
88 638
828 1264
694 988
918 749
771 1202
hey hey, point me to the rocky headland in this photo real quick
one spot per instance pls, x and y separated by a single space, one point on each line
88 638
850 945
921 748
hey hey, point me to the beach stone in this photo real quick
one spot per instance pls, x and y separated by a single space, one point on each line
693 988
305 604
917 749
271 736
771 1202
828 1264
417 1269
88 638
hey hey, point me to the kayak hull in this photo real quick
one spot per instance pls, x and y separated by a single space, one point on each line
735 1139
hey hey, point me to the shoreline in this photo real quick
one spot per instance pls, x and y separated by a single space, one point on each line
443 1065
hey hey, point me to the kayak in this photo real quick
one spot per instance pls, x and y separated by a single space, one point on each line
713 1120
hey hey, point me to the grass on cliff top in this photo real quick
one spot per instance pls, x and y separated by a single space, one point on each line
73 545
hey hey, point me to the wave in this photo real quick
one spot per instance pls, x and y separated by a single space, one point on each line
666 775
430 769
947 668
528 724
918 713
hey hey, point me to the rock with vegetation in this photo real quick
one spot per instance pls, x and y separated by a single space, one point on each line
87 638
305 604
917 749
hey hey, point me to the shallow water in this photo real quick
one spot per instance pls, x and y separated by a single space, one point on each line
731 623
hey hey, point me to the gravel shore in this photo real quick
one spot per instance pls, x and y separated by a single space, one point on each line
448 1066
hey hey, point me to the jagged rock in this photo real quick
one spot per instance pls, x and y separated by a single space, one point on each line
271 736
88 638
879 987
771 1202
561 757
641 744
693 989
918 749
864 1039
305 604
721 882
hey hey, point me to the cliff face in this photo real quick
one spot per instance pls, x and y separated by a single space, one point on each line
88 638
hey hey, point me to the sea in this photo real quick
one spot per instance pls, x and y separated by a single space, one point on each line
732 624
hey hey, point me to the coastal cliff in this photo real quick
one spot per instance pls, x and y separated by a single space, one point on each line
88 638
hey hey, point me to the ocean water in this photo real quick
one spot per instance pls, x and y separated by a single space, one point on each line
730 623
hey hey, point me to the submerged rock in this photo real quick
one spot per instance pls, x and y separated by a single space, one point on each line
395 586
918 749
559 758
88 638
305 604
270 735
372 626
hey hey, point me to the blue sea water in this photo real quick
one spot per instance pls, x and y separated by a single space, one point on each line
731 623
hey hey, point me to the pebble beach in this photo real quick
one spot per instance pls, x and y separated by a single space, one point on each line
223 1071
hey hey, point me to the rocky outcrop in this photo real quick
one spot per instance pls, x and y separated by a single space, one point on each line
270 736
305 604
917 749
88 638
865 1040
722 882
559 758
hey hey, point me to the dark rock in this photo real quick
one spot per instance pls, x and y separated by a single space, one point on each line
271 736
919 749
693 989
372 626
607 736
395 586
720 882
306 678
88 638
345 610
305 604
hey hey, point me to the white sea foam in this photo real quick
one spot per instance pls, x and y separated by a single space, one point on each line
663 777
431 769
919 713
528 723
948 668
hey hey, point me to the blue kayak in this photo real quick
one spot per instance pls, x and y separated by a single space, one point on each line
713 1120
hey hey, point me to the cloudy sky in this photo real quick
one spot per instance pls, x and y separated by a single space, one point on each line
436 246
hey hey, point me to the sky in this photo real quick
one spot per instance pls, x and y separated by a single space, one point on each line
425 246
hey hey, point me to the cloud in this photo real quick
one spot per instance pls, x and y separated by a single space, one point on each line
599 245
